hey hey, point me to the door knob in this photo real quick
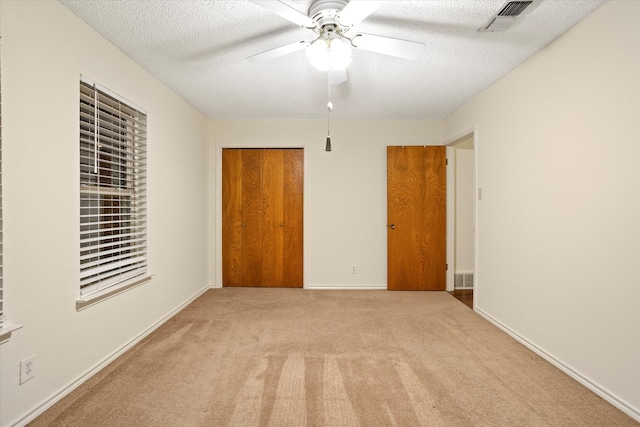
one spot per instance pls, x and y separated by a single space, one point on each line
244 224
281 225
392 226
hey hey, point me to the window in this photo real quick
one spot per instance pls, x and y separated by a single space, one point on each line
113 214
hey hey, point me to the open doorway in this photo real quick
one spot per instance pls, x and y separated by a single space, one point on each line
462 238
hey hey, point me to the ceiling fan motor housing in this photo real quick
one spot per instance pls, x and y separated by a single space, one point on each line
325 13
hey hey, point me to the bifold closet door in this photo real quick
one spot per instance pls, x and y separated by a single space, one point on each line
262 197
251 227
293 217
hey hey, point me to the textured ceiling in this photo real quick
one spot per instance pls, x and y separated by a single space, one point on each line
199 48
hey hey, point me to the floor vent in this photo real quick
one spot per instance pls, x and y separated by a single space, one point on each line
463 281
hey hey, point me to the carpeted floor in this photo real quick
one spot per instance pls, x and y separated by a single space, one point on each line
293 357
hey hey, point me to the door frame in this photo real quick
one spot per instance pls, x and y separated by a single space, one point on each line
451 209
217 209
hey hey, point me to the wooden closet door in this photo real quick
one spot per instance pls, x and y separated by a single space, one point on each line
232 217
273 217
262 197
293 217
252 225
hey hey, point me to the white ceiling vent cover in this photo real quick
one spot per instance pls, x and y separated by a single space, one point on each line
507 15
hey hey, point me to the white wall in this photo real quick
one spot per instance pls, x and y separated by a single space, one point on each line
559 225
45 48
558 146
345 190
465 208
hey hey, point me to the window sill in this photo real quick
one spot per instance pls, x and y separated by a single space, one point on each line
97 297
6 330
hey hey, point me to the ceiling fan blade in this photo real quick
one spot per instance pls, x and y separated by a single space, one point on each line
286 12
279 51
389 46
338 76
356 11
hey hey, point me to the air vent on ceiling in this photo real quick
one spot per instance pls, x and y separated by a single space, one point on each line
514 8
507 15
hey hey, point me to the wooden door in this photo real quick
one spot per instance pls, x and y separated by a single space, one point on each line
251 226
416 218
232 226
293 190
262 199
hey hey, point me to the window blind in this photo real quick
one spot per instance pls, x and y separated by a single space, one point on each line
113 213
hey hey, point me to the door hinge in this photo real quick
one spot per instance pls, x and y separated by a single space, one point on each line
446 266
446 162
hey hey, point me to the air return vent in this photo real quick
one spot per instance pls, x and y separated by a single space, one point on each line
508 14
463 281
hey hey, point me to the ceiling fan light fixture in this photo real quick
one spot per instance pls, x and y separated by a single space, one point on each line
329 54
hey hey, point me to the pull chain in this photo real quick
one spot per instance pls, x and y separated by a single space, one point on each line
329 108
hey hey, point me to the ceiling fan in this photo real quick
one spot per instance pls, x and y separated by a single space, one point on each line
332 22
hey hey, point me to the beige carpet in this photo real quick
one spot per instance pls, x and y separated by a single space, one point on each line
292 357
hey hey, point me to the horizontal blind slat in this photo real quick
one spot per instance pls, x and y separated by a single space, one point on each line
122 264
114 277
92 240
117 256
118 275
140 242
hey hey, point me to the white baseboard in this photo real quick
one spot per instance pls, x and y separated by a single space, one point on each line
347 287
330 287
51 400
585 381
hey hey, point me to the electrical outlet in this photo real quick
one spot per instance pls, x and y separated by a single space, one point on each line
27 368
354 269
